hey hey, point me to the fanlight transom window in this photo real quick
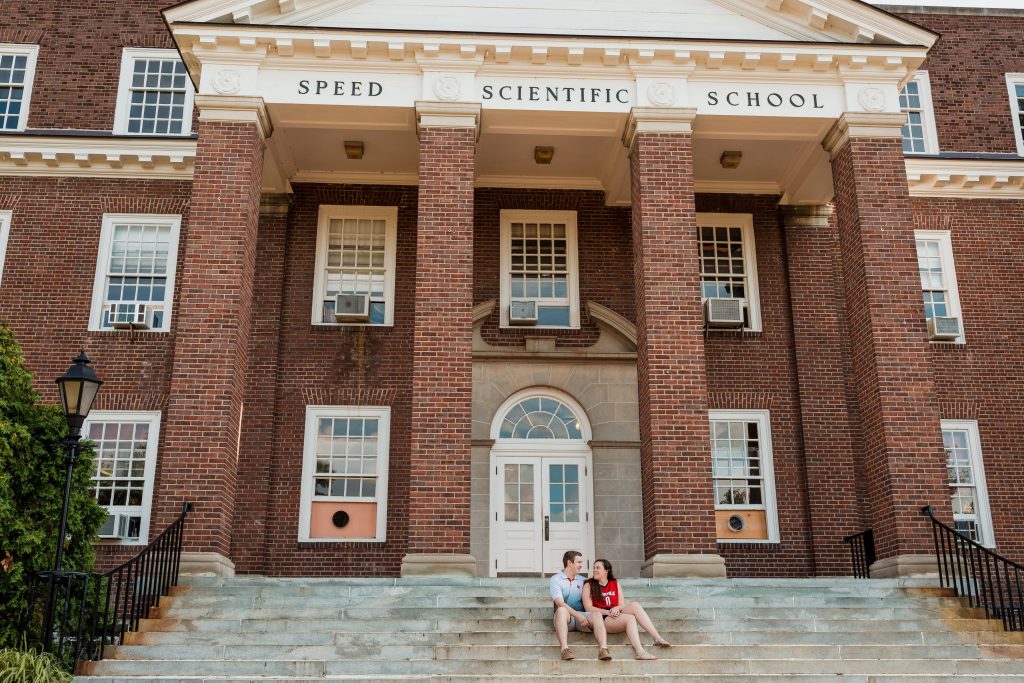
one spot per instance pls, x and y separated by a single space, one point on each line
540 418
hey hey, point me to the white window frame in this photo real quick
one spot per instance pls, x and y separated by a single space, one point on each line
123 416
128 57
103 263
745 222
984 513
313 413
5 232
508 217
931 135
771 508
32 52
944 237
329 212
1012 81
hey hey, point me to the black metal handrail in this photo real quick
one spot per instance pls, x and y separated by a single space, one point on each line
75 615
987 580
862 552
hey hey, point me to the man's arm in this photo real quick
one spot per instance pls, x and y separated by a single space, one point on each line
556 597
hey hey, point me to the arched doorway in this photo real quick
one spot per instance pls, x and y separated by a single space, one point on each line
541 483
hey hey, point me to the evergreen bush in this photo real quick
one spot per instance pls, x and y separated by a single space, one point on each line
33 467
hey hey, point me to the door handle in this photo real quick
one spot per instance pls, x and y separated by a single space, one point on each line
547 528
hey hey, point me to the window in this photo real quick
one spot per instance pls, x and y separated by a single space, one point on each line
355 255
919 135
1015 83
5 231
539 265
17 69
728 265
124 468
135 272
744 481
155 94
938 277
540 418
345 474
971 516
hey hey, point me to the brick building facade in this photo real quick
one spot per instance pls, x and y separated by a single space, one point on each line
395 292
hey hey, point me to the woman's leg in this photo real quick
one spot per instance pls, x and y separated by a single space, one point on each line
627 623
635 609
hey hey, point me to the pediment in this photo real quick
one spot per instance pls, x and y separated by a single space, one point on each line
813 21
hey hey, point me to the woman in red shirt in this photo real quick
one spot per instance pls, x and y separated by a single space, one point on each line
603 595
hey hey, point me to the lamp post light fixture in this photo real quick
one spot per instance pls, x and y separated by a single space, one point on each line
78 389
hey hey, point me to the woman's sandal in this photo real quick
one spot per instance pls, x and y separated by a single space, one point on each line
645 655
661 642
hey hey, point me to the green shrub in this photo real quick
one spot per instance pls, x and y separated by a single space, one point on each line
19 665
33 466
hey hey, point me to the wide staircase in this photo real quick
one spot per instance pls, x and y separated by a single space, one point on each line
500 630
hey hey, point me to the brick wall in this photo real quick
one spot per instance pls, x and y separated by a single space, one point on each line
79 61
967 69
981 379
904 460
675 451
207 394
442 364
46 293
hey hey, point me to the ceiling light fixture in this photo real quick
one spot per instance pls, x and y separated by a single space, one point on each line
354 149
731 159
543 155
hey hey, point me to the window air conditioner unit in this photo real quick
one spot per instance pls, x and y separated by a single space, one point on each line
352 308
723 313
130 316
116 527
943 329
522 312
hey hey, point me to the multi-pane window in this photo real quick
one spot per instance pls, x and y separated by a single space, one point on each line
17 67
727 263
741 466
125 460
540 418
519 493
155 95
1015 83
345 470
5 230
564 492
938 277
135 272
539 266
355 265
919 130
967 480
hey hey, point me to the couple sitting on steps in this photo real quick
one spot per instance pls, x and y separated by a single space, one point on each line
597 605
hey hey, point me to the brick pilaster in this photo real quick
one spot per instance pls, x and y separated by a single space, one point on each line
442 372
212 323
890 365
819 336
675 455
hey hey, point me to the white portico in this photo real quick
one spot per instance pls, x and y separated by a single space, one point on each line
648 104
765 78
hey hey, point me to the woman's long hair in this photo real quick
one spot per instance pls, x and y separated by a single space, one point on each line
595 587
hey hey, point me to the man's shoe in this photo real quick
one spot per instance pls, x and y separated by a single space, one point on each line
604 655
567 655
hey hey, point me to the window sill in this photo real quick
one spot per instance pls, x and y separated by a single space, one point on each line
125 333
344 326
310 544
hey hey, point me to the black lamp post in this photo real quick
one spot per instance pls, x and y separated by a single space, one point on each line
78 389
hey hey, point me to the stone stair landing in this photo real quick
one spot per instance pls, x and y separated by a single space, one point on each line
805 630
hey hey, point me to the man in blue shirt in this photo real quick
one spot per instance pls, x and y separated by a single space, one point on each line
566 588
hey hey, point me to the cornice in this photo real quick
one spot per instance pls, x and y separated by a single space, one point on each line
111 157
235 109
966 178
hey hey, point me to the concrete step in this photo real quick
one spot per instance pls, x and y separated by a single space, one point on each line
507 624
585 666
569 678
541 611
551 651
879 636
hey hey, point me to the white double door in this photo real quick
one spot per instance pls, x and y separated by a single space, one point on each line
541 506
